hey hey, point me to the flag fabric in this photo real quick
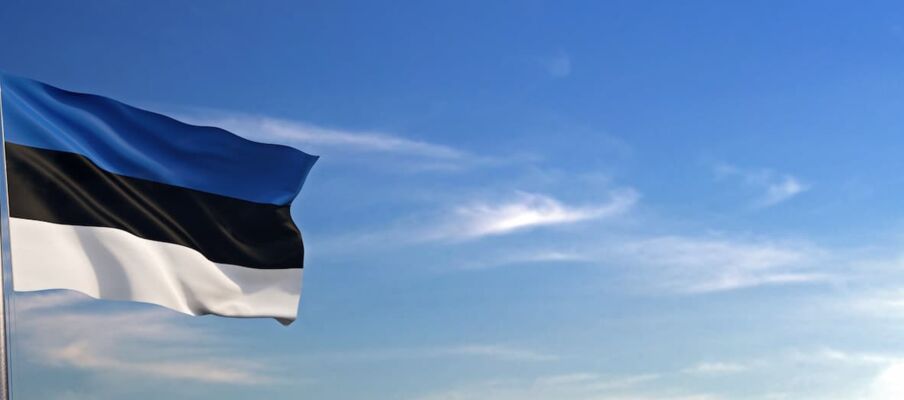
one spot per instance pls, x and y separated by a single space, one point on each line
125 204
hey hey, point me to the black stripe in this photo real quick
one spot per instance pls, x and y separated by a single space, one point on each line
67 188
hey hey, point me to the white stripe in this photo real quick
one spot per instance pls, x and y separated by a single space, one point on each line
112 264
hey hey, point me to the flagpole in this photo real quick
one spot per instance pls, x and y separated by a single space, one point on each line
5 269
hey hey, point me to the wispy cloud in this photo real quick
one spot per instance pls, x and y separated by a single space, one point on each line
879 303
558 65
587 385
146 343
783 189
812 356
307 134
524 212
575 386
835 356
716 368
48 301
696 265
594 382
522 257
496 352
327 141
878 376
888 383
773 187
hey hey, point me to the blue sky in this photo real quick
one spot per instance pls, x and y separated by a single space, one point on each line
516 200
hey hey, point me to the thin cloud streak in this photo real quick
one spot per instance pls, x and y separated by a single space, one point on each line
526 211
47 301
558 66
834 356
85 356
701 265
783 189
548 256
483 351
497 352
813 356
413 154
689 265
774 187
716 368
366 141
146 343
585 385
576 386
886 304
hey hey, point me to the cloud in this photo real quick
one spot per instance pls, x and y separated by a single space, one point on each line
579 377
351 144
86 356
526 211
145 343
888 384
773 187
822 355
558 66
369 146
835 356
698 265
593 382
838 374
586 385
297 132
483 351
785 188
521 257
496 352
573 386
716 368
881 304
47 301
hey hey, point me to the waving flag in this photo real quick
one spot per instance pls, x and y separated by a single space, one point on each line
125 204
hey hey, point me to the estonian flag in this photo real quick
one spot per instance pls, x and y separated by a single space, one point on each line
125 204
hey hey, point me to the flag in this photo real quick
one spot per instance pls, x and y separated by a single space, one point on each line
125 204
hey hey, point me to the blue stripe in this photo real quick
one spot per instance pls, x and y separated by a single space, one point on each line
141 144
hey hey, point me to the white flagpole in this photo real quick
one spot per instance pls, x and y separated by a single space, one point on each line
5 269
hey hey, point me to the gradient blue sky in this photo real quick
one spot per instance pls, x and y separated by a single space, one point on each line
543 200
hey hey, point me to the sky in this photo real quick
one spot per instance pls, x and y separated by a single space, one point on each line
531 200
